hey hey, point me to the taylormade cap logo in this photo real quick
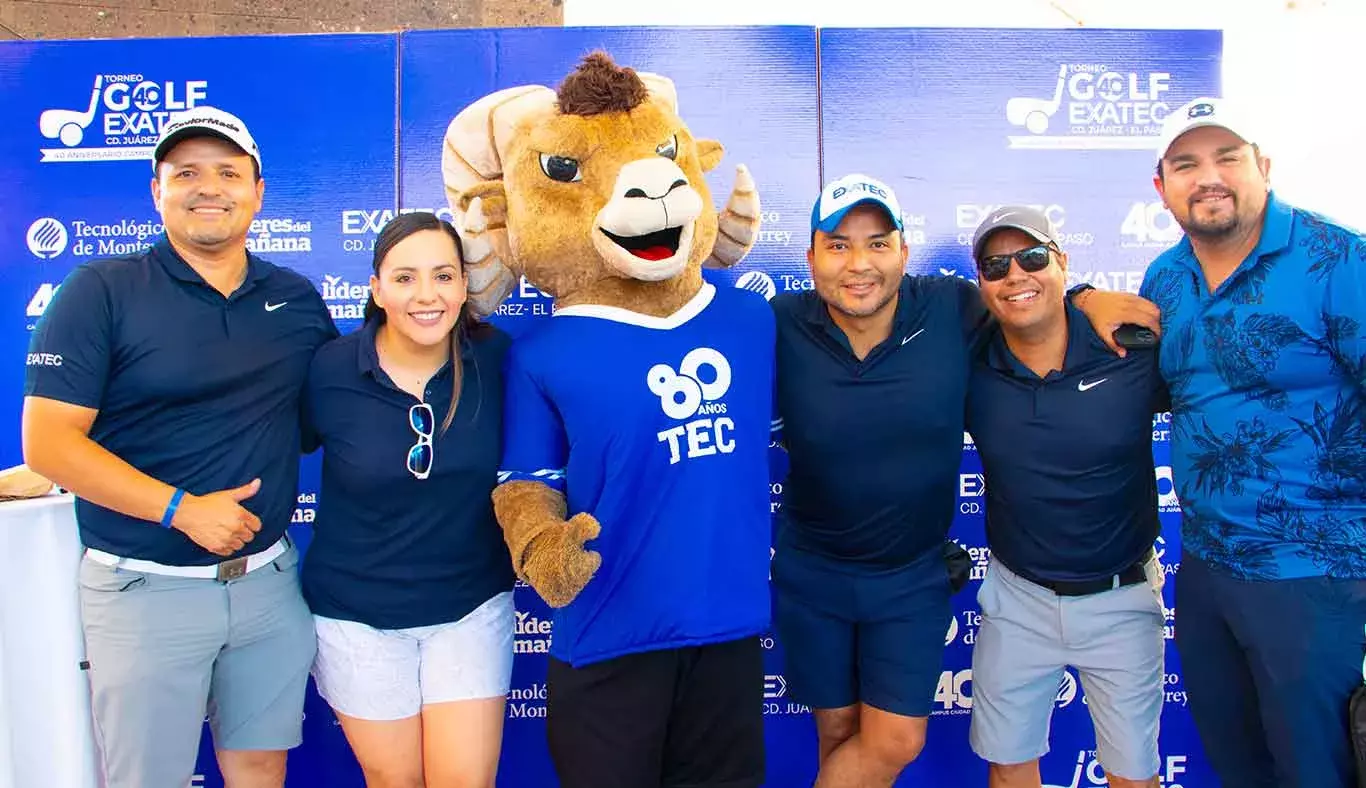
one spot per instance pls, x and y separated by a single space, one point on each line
171 128
205 121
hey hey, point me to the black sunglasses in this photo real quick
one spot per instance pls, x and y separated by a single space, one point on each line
995 267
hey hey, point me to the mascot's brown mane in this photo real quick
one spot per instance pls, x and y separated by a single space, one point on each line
598 85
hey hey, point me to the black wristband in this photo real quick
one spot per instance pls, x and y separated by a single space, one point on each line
1078 290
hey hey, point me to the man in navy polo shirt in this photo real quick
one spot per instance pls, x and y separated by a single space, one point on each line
1264 349
1063 427
872 379
163 389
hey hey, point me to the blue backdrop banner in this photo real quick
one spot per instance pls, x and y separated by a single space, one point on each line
350 129
958 123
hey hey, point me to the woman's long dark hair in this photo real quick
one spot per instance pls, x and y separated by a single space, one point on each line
466 325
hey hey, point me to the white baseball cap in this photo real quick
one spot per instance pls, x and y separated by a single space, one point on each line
204 122
1205 111
839 196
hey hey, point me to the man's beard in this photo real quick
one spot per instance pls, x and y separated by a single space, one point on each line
1216 228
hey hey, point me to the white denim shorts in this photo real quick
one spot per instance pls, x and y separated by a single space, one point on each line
390 674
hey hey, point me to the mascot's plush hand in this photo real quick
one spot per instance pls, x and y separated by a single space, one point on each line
547 551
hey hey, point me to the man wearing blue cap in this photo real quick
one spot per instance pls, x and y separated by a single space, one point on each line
873 369
1264 309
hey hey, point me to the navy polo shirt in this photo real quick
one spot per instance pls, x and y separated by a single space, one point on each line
1071 492
192 388
874 445
390 550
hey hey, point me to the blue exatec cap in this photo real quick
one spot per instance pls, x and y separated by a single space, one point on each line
839 196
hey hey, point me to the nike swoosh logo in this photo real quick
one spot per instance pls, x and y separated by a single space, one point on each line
272 307
1084 386
912 336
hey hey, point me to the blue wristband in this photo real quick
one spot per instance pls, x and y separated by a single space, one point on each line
171 507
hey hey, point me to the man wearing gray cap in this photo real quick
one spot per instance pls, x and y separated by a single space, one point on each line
163 389
1063 428
1264 349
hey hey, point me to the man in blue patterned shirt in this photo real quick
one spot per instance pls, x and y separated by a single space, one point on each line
1264 351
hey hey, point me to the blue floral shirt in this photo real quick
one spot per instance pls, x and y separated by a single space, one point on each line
1267 377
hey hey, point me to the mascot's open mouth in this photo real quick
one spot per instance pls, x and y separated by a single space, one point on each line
658 245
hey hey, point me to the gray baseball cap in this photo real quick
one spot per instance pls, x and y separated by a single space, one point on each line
1028 220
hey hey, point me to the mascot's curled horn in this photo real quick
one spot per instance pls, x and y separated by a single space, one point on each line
596 194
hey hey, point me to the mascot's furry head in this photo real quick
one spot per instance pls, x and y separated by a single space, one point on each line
594 192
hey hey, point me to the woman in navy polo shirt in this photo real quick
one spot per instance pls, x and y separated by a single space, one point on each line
407 576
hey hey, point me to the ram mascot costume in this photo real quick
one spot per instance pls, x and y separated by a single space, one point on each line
633 494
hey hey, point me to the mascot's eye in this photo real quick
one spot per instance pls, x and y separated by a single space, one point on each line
669 148
560 168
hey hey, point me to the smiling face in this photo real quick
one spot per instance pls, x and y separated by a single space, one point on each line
1214 184
207 194
421 287
857 267
1023 301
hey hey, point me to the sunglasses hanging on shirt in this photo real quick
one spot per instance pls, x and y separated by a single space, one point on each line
420 455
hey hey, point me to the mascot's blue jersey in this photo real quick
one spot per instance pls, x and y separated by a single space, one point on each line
659 428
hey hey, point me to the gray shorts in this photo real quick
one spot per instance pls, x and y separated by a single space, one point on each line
165 651
1028 637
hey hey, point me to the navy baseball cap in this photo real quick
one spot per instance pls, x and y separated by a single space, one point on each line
840 196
